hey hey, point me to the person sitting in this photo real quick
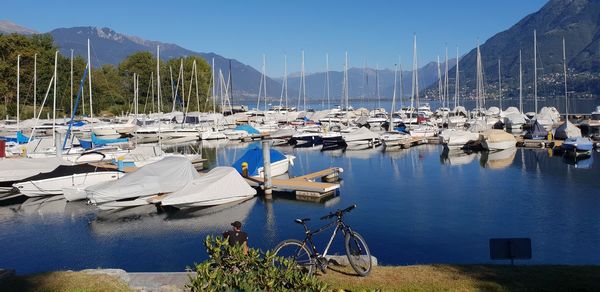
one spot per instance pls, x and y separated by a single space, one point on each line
236 236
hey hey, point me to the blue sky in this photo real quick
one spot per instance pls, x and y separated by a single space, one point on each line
377 31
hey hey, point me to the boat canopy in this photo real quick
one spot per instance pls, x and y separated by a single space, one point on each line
251 130
17 169
536 131
495 135
254 158
220 185
567 130
360 134
164 176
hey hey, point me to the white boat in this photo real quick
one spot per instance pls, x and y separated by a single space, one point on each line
392 139
497 140
361 138
424 130
221 185
212 134
280 163
164 176
53 183
14 170
455 139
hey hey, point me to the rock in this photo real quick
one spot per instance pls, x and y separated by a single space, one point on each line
342 261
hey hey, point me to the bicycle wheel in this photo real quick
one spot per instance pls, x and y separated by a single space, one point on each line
358 253
296 251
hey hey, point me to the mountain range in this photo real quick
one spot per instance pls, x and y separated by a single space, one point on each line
578 21
111 47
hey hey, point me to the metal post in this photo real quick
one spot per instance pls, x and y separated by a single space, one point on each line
267 169
57 145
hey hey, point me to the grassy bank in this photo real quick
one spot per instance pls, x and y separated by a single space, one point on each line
469 278
64 281
405 278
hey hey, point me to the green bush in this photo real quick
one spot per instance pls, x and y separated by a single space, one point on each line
229 269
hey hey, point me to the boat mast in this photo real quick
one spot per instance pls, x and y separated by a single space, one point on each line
71 79
377 85
439 75
446 93
158 78
303 83
265 78
457 86
535 70
520 83
500 84
391 126
286 84
346 82
214 88
35 85
415 79
89 83
54 101
565 76
401 83
477 86
18 92
327 77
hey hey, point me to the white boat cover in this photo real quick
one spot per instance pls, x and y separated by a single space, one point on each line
478 126
17 169
495 136
360 134
283 133
549 113
220 185
164 176
567 130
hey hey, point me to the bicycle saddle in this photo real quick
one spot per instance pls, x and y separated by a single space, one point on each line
301 221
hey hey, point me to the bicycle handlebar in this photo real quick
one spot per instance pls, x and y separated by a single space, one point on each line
338 213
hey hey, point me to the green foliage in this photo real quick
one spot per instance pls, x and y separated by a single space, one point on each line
112 86
229 269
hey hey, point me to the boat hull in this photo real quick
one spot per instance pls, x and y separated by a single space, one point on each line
55 186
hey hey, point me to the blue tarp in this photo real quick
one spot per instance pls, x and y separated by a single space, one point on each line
251 130
254 158
96 142
536 132
20 138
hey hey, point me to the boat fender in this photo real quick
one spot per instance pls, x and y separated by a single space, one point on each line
245 169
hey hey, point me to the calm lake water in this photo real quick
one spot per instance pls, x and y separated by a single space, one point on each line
414 206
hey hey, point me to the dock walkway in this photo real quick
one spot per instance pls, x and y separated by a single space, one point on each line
305 185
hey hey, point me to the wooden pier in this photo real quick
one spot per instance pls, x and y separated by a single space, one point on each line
305 187
414 141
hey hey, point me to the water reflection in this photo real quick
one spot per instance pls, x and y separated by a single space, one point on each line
455 157
498 159
147 221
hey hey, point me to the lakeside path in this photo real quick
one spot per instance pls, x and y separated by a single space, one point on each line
383 278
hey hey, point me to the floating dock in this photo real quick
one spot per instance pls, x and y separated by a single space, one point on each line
305 187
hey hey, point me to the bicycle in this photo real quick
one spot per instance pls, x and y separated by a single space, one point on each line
305 253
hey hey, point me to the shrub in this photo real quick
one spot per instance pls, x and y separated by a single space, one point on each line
229 269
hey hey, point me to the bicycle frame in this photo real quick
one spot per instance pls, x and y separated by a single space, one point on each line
339 225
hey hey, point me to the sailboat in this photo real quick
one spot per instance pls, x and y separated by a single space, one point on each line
423 127
572 135
393 139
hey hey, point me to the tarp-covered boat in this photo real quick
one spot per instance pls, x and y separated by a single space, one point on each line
221 185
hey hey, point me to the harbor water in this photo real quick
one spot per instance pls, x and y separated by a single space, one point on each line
415 206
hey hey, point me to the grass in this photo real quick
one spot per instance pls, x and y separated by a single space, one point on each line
468 278
403 278
64 281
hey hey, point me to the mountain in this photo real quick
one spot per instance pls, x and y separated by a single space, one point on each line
110 47
362 83
578 21
7 27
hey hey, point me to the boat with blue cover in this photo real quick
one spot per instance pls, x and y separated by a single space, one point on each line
280 162
578 144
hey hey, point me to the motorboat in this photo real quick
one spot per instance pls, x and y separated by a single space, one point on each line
456 138
424 130
360 139
254 159
221 185
578 144
567 130
495 139
212 134
53 183
536 132
394 139
161 177
15 170
240 132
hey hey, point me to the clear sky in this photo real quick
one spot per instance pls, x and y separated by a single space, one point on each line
377 31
